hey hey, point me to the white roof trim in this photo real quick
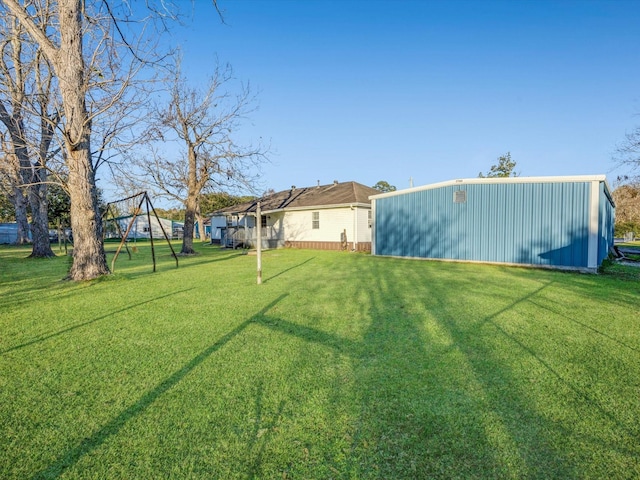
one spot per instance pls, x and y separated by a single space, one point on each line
318 207
296 209
468 181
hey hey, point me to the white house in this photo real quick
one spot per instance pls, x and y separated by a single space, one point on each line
328 217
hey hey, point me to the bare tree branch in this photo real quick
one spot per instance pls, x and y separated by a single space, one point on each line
199 124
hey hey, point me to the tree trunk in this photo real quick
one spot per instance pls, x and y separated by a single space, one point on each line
20 206
200 220
89 260
189 220
191 205
22 156
39 219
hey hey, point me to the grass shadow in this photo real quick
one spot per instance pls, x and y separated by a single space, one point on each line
47 336
143 266
69 458
261 432
440 390
288 270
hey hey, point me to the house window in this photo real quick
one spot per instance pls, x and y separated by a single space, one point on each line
263 221
369 218
315 220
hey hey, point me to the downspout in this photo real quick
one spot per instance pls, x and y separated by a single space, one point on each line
355 229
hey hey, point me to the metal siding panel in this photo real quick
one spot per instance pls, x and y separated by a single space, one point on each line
538 223
606 224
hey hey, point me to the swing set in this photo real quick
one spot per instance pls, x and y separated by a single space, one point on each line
111 214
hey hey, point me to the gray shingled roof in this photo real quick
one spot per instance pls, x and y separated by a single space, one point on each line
345 193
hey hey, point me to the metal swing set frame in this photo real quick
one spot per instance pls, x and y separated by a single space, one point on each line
144 199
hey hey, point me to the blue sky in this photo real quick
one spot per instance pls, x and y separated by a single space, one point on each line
426 90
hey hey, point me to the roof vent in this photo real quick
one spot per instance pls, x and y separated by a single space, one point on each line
293 187
335 182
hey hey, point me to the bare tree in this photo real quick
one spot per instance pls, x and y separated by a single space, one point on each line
47 121
15 149
95 51
95 48
628 153
25 97
12 186
627 198
200 123
63 47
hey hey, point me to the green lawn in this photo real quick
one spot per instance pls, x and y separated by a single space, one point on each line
338 366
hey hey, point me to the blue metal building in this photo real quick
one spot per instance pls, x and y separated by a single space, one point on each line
559 222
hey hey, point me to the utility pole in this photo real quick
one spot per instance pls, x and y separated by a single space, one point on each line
259 242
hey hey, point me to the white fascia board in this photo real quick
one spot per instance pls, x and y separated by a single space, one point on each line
496 180
317 207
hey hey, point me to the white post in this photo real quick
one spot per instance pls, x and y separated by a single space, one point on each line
259 242
594 223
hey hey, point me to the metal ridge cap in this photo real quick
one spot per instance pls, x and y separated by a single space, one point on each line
496 180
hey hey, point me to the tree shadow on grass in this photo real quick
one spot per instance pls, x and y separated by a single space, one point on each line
414 422
436 397
261 431
49 335
288 270
440 403
166 262
567 383
15 297
590 328
433 409
532 439
69 458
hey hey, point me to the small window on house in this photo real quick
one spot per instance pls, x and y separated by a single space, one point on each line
369 218
145 229
460 196
263 221
315 220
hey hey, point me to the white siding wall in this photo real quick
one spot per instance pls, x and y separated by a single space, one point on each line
364 232
275 224
216 223
296 226
333 221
